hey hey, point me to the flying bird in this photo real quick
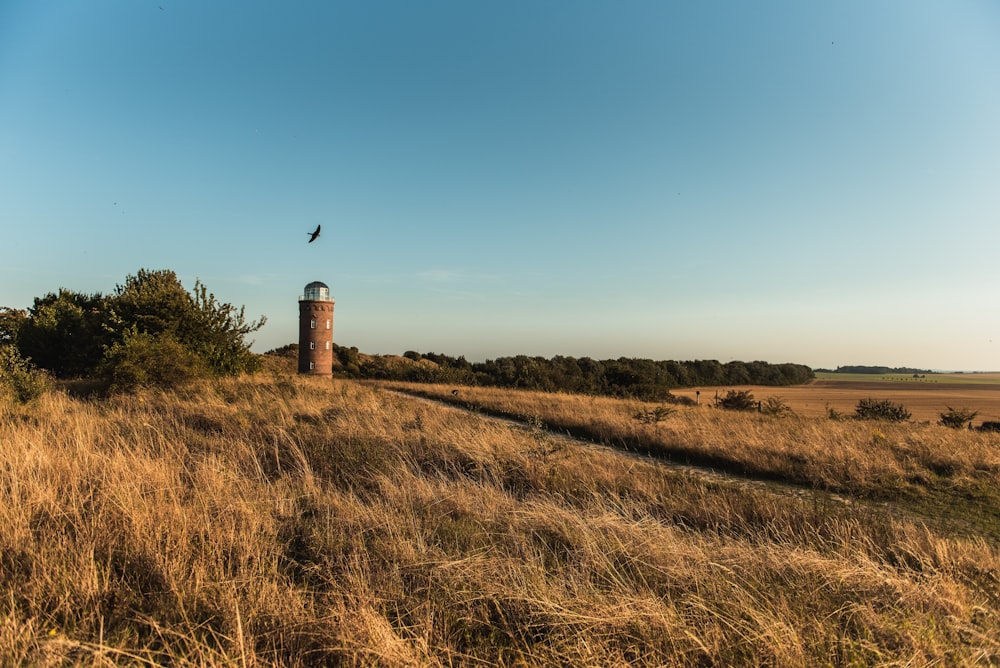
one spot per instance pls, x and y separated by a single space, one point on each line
313 235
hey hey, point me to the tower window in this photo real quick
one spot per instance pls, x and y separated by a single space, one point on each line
327 345
312 323
328 323
312 365
312 345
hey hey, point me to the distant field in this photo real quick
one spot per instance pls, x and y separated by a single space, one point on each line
948 378
925 398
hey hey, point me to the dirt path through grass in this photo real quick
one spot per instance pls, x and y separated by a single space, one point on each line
703 473
947 478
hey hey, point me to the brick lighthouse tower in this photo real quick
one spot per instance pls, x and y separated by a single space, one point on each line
316 330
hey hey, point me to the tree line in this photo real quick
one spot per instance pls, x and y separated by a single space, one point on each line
623 377
153 331
876 370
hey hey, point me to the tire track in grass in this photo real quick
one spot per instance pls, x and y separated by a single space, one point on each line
936 510
704 473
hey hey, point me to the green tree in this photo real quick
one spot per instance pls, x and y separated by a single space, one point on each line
156 303
64 333
737 373
11 321
706 372
220 337
152 302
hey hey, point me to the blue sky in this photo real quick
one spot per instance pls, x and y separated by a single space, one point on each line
814 182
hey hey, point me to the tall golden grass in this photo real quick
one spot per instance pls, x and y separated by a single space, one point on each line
923 464
295 521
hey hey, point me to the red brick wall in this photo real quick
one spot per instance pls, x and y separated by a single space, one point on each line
320 354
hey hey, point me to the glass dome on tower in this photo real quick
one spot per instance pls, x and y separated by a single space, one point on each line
317 292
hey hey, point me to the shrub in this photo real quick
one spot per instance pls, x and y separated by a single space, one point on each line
870 409
145 360
957 418
349 358
738 400
776 407
655 415
19 376
287 350
678 400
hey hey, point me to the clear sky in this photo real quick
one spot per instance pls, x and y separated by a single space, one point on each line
813 182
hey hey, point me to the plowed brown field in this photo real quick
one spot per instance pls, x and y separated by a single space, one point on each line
925 400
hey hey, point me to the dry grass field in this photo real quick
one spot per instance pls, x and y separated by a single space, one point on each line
925 398
281 520
939 472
